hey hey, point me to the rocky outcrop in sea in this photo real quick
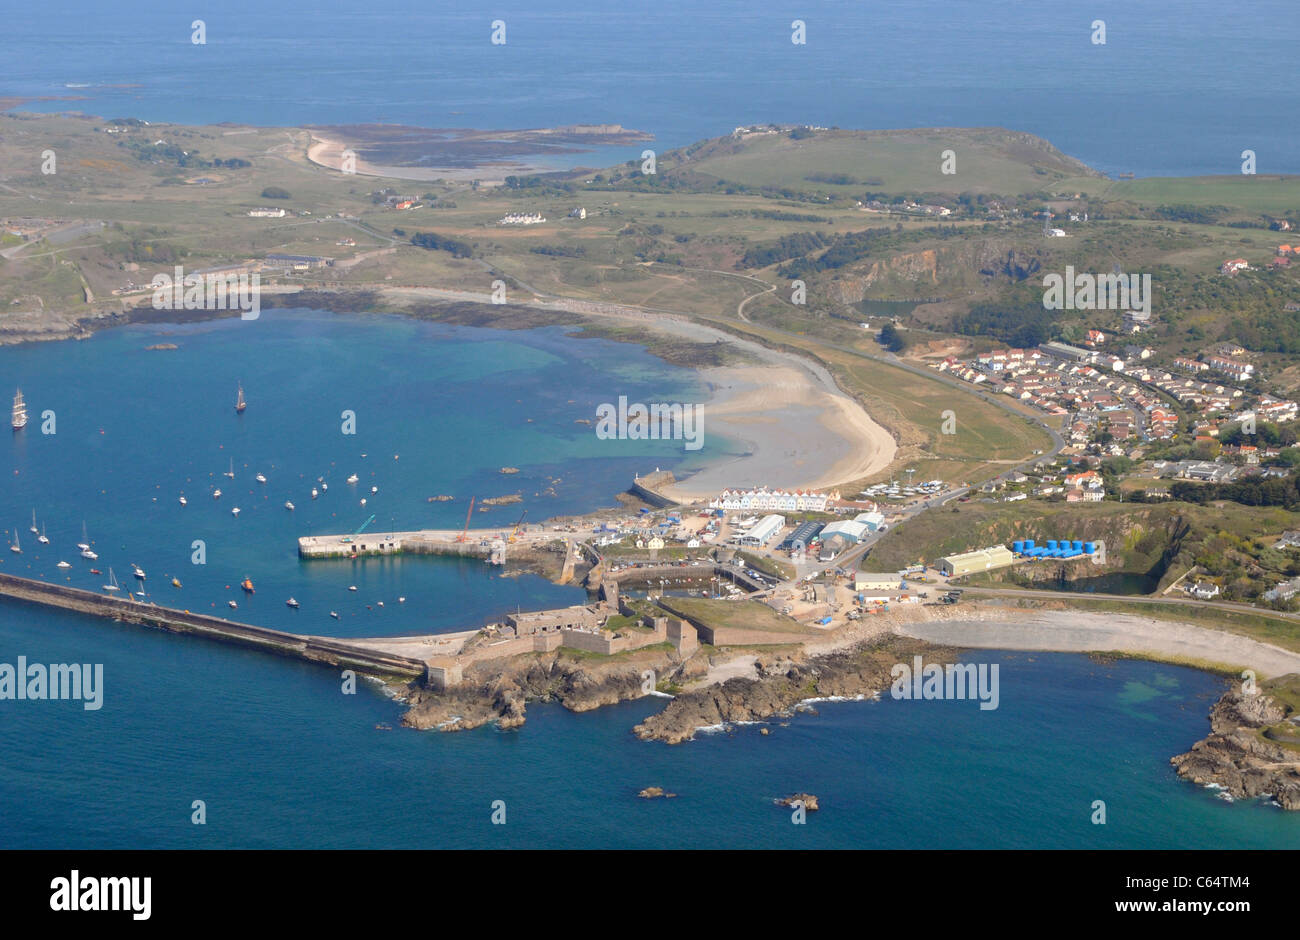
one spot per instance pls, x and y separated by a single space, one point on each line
1252 750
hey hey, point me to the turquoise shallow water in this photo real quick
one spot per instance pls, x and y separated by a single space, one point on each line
282 758
137 428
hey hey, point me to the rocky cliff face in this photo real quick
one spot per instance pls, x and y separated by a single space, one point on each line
1237 757
959 267
782 683
498 693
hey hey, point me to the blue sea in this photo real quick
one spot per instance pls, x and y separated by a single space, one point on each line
278 755
1179 87
281 757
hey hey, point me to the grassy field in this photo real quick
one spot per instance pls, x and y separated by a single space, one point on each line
988 160
1256 194
772 566
739 615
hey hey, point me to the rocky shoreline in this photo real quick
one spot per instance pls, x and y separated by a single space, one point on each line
493 693
498 693
1238 756
784 681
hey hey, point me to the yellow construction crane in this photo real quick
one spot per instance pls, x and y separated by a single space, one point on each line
514 536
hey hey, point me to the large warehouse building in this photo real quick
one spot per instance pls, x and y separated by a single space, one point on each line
985 559
851 531
763 531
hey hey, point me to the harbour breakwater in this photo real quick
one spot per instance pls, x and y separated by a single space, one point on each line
323 650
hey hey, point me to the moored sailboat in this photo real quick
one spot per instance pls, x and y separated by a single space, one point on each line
240 402
20 411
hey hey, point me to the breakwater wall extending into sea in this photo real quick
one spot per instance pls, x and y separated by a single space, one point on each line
646 489
476 544
324 650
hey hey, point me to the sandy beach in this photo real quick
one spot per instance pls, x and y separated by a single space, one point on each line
1079 632
795 432
796 428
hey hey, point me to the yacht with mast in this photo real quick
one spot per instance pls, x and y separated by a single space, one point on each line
20 411
240 402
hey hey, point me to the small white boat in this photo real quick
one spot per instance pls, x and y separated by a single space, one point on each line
381 603
324 486
374 490
353 478
216 494
231 472
352 587
88 554
401 600
137 571
33 529
233 605
363 501
334 614
235 511
184 501
84 544
261 478
43 538
63 564
140 593
314 492
291 603
288 505
112 581
15 548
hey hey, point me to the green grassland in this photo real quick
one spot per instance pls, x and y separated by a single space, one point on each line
988 160
1253 194
738 615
